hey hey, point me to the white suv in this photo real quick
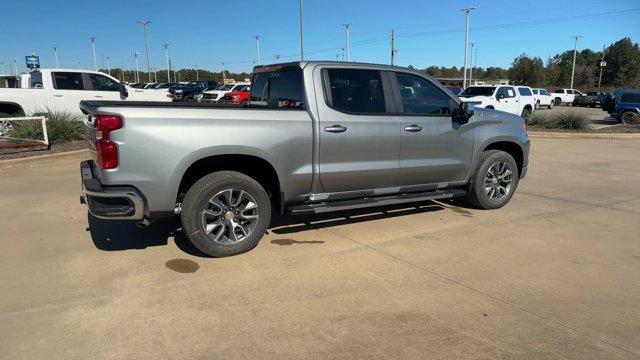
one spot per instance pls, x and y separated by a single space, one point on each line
542 98
565 96
517 100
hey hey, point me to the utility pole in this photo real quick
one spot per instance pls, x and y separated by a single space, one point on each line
108 66
79 66
2 67
277 56
55 55
223 75
166 54
575 49
93 46
257 49
602 65
135 56
466 10
301 31
346 34
197 76
393 48
146 48
471 63
122 71
343 58
15 65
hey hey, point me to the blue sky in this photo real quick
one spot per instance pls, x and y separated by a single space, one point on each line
208 33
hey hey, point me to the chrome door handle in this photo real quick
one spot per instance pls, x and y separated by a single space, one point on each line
99 96
57 95
413 128
335 129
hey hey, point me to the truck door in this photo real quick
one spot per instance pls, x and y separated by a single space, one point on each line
507 100
68 90
359 142
434 148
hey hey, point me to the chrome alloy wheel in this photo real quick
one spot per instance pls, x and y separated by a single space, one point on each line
230 216
498 181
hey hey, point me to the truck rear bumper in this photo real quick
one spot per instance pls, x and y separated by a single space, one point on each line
117 202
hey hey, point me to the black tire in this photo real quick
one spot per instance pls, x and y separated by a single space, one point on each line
557 101
628 117
197 200
526 114
476 194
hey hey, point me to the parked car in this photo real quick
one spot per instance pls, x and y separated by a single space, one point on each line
63 89
191 90
150 85
591 99
239 96
215 95
505 98
322 136
542 97
624 104
564 96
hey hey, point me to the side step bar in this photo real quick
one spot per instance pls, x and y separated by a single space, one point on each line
324 207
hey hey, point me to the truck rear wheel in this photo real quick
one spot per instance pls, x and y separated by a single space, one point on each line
494 181
225 213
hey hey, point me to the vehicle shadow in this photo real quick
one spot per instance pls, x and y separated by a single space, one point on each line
109 235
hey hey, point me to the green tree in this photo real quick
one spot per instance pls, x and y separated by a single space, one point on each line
527 71
623 64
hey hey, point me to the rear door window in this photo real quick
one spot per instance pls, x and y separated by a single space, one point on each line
507 91
524 91
630 98
67 81
278 89
356 91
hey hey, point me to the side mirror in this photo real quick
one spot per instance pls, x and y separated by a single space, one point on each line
464 112
124 92
500 96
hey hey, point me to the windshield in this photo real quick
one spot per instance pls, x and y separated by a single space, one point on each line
225 87
478 91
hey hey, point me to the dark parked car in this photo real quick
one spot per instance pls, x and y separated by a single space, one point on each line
456 90
190 90
591 99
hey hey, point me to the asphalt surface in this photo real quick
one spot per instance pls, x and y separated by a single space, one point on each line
555 274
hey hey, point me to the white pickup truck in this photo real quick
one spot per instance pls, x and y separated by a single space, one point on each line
63 89
564 96
517 100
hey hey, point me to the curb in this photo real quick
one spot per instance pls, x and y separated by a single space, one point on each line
22 162
546 134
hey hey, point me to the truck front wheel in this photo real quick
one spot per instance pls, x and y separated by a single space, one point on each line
494 181
225 213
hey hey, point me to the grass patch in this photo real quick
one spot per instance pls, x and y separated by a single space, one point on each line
62 126
567 120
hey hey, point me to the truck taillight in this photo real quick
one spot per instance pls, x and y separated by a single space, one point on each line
107 150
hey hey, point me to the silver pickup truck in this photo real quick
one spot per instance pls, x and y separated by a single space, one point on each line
314 137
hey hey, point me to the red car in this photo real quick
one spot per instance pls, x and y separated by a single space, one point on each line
237 97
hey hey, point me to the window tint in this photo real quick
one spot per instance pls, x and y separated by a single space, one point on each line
559 91
535 91
103 83
544 92
67 81
280 89
524 91
35 80
478 91
507 91
356 91
630 98
419 96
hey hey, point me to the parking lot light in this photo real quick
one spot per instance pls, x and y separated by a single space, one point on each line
93 47
346 35
257 49
144 24
166 54
55 55
575 48
467 10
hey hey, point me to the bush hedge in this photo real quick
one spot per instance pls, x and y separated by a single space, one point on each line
62 126
567 120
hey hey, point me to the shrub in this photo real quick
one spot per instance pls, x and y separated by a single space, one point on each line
567 120
62 126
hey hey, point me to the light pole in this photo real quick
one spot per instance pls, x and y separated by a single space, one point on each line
466 10
108 66
197 75
277 56
257 49
15 65
166 54
223 76
575 49
93 46
2 67
55 55
471 62
602 65
394 51
135 56
301 31
346 34
146 48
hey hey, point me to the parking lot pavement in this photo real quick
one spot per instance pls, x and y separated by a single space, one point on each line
554 274
599 118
